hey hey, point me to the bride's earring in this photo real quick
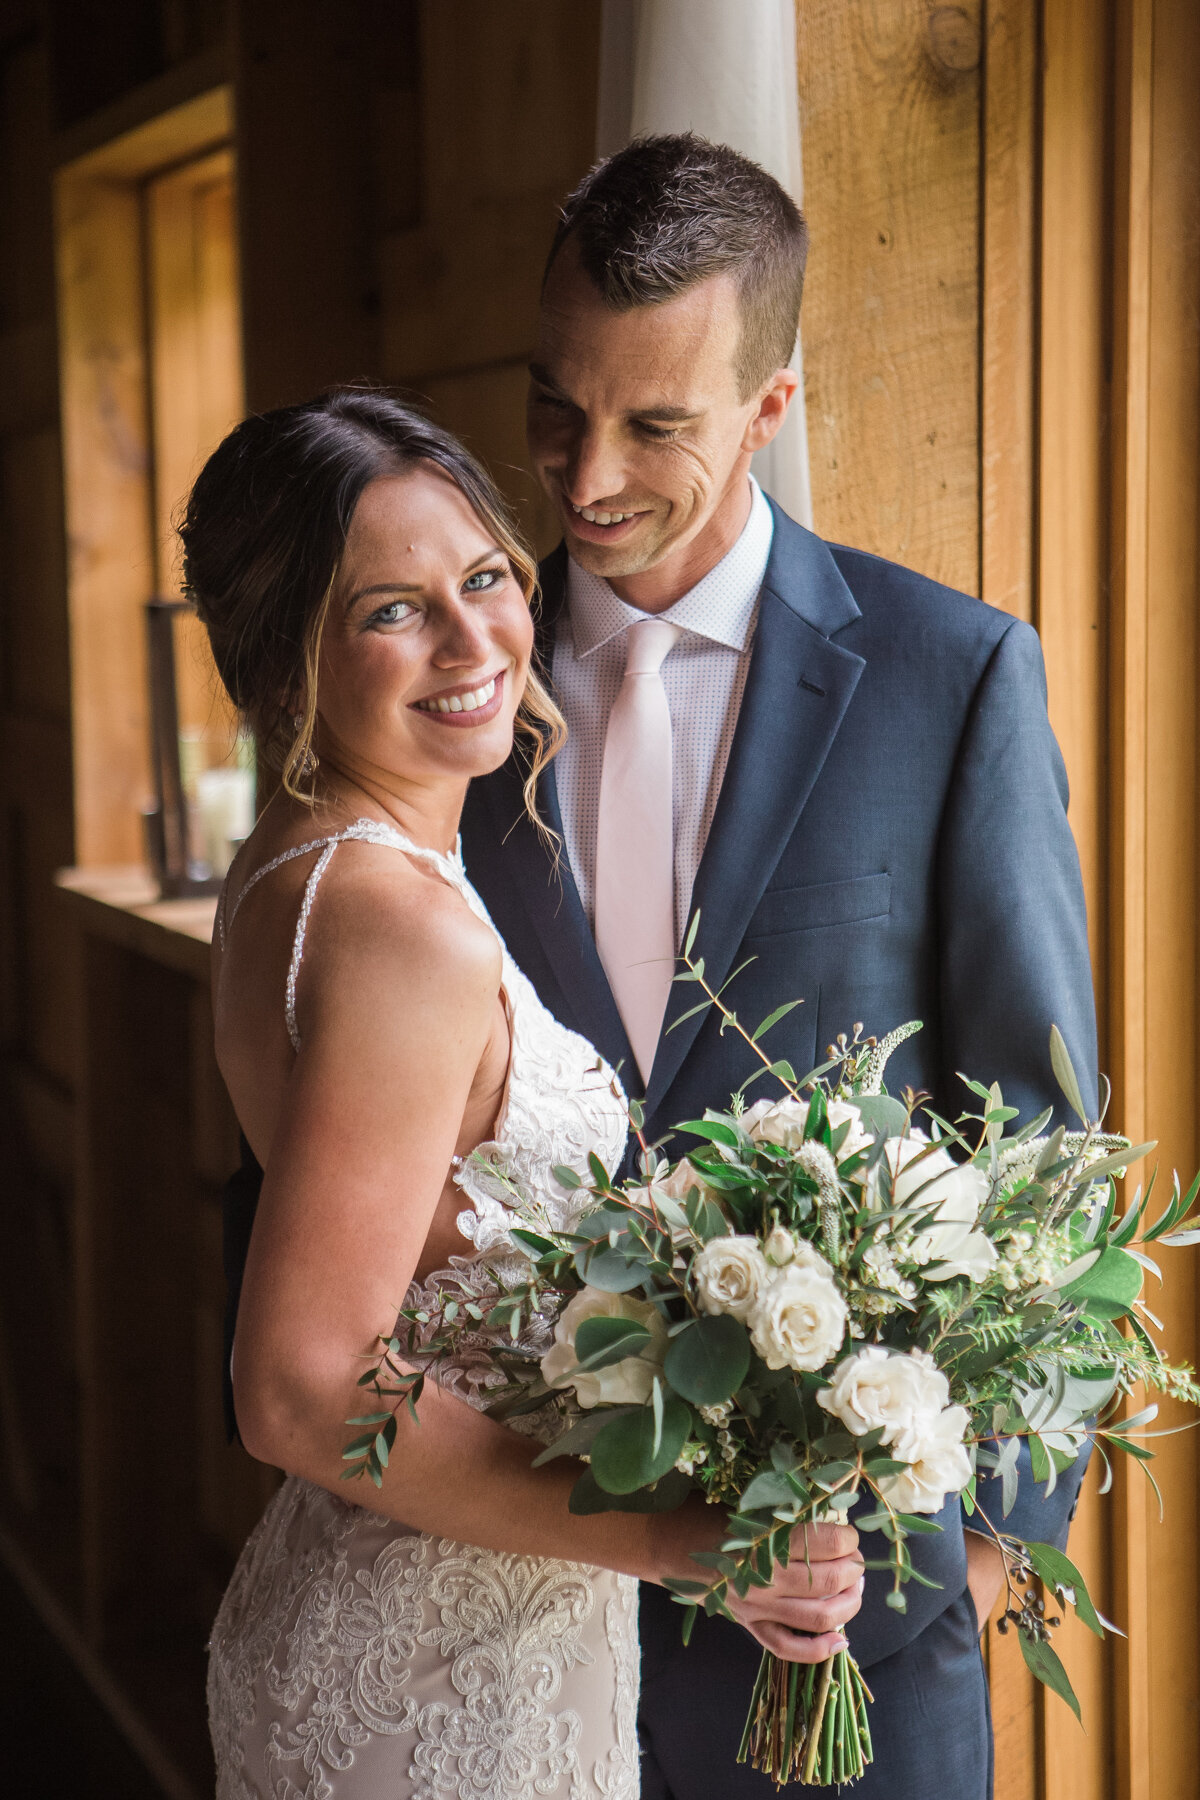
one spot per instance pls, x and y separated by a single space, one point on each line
309 763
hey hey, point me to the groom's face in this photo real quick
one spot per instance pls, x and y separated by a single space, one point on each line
636 426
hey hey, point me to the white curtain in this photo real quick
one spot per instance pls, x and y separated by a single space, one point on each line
727 70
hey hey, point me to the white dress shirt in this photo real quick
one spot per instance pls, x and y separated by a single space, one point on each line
704 676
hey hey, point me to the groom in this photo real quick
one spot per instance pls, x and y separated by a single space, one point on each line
844 768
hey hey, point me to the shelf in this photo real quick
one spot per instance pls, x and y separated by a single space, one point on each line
122 904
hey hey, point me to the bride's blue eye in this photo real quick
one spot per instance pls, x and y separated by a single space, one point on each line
393 613
482 580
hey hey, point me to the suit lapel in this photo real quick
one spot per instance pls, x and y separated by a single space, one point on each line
550 898
797 690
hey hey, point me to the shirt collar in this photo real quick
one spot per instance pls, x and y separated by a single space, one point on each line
720 607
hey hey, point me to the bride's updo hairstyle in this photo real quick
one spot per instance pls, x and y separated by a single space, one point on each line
263 537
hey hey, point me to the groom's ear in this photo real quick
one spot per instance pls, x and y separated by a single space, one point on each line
773 403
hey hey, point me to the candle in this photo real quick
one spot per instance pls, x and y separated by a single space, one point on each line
225 805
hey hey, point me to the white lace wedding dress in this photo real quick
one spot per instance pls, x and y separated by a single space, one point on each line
357 1659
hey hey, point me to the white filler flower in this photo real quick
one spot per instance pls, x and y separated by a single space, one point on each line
898 1391
730 1273
799 1321
939 1464
621 1383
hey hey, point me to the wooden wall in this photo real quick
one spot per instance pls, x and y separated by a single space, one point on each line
1004 390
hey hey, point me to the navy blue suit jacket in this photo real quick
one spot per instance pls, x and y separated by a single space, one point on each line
891 843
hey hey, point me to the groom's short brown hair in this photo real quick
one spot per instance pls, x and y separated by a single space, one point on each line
668 212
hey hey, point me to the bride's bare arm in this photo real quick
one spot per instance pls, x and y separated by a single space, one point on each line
395 1011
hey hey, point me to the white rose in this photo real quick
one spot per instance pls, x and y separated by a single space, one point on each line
939 1464
858 1138
680 1182
730 1273
779 1246
621 1383
800 1319
776 1122
809 1257
780 1249
876 1387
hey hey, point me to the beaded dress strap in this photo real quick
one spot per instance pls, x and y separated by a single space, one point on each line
363 831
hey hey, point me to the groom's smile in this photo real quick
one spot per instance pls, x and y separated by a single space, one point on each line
638 432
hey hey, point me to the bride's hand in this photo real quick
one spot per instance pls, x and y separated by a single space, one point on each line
800 1616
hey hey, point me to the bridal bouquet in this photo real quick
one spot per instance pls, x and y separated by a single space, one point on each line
828 1308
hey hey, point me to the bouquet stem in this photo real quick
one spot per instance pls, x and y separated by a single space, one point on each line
808 1723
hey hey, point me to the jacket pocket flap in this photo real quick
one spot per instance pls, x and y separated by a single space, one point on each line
826 903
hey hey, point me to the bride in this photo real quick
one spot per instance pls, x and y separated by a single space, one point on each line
458 1631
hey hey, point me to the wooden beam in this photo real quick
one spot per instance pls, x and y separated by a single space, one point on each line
1010 177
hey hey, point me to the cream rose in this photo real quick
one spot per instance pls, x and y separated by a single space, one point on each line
779 1246
680 1182
938 1464
730 1273
780 1249
799 1320
858 1138
875 1388
776 1122
621 1383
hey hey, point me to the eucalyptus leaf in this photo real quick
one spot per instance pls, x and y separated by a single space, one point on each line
780 1012
600 1341
624 1455
1058 1571
769 1488
708 1361
610 1270
1113 1278
1044 1662
587 1496
882 1116
578 1439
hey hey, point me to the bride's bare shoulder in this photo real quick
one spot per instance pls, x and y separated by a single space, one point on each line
386 923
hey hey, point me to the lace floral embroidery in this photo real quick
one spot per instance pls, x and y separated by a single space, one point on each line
511 1626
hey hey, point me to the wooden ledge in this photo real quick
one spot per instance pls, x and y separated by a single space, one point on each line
122 904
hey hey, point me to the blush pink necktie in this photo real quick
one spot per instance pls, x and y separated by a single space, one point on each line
635 843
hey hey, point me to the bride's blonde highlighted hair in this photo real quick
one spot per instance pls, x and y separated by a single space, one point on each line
263 537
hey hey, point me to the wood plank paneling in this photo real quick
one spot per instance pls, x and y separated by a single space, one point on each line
36 639
1008 336
1163 80
110 549
889 97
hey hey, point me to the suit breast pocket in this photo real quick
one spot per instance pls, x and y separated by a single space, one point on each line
784 911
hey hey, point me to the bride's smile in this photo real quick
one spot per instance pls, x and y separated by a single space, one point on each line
427 628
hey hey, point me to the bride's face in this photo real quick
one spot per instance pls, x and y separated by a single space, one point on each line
427 644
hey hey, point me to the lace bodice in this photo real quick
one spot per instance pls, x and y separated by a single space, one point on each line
561 1102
